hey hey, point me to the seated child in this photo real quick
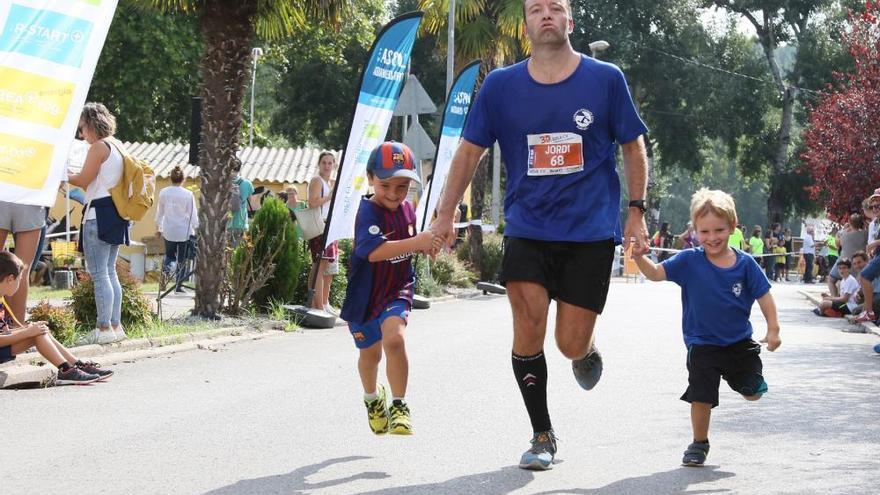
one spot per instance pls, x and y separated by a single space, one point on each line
16 338
719 284
846 302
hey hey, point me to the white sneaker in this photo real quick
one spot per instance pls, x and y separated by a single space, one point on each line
330 309
97 336
120 333
106 336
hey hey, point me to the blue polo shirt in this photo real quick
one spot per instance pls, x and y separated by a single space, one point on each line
372 286
716 302
559 143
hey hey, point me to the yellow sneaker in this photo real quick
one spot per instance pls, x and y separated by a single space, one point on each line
400 420
377 411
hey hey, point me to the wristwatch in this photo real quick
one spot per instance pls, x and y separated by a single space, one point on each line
638 203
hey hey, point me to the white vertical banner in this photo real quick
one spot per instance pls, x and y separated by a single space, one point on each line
381 84
458 105
48 53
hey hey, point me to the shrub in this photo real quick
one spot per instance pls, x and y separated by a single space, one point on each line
279 236
60 319
492 252
340 280
425 283
449 271
135 306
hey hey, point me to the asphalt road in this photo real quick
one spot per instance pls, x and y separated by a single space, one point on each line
284 415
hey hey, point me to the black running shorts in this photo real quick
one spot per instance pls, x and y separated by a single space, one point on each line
739 364
576 273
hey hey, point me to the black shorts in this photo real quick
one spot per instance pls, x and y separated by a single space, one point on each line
739 364
576 273
6 354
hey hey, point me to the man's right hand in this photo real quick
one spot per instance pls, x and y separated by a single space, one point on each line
443 227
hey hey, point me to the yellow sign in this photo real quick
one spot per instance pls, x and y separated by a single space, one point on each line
34 98
24 162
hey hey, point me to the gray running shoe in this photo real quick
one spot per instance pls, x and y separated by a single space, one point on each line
75 376
588 369
695 455
540 456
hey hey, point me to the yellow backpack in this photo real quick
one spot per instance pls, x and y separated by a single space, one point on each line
134 193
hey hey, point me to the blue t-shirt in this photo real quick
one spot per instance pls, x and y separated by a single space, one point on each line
372 286
239 220
716 302
559 143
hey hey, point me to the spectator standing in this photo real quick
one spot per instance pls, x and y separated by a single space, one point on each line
779 269
663 239
688 238
104 230
736 240
808 250
871 207
294 205
756 245
177 220
323 259
788 243
25 222
238 222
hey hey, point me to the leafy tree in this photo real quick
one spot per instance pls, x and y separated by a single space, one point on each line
147 73
842 141
228 28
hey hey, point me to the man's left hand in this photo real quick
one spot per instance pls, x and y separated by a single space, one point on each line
636 232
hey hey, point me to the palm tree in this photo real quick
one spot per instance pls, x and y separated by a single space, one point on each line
228 28
491 30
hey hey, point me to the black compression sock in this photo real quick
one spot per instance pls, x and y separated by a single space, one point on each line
531 375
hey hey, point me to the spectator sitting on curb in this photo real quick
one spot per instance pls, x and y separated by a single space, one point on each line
845 303
14 341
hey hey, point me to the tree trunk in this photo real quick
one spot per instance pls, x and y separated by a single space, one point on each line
478 197
227 31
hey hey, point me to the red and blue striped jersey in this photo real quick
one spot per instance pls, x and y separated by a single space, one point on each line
372 286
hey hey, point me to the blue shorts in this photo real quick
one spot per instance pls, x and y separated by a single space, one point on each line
370 332
871 271
6 354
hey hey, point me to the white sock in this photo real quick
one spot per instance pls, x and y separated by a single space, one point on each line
371 396
401 399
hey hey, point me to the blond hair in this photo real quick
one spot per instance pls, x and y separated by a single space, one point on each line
714 201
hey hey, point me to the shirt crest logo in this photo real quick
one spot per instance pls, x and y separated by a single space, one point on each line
583 118
374 230
737 289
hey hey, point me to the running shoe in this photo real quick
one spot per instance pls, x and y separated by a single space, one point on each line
401 423
588 369
75 376
377 411
540 456
93 368
866 316
695 455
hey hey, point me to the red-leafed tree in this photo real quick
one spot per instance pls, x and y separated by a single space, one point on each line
842 141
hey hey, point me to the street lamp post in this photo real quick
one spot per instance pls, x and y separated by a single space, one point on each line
256 53
450 47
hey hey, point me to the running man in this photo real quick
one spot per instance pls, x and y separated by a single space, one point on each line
558 118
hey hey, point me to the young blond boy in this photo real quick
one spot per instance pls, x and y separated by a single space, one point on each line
382 282
16 338
719 284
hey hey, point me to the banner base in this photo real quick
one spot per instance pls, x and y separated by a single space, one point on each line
488 287
311 317
421 302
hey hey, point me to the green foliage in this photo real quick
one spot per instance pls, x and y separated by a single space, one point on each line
278 235
147 73
135 306
448 271
492 254
61 321
425 283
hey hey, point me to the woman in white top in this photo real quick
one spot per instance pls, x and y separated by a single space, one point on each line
102 170
177 220
323 260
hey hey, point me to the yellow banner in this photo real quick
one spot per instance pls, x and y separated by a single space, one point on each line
34 98
24 162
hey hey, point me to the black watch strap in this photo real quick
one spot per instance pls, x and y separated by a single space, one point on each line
638 203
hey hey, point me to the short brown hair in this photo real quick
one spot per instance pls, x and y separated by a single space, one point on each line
99 119
860 254
10 264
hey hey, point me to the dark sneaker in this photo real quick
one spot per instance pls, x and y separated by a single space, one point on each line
377 411
540 456
400 424
75 376
695 455
588 369
95 369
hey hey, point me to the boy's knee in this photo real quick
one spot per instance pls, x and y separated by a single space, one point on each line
393 344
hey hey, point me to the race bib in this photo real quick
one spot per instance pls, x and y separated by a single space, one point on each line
555 153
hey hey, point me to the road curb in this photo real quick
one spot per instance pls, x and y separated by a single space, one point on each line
31 369
864 328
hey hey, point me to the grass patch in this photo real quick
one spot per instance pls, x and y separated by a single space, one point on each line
41 292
